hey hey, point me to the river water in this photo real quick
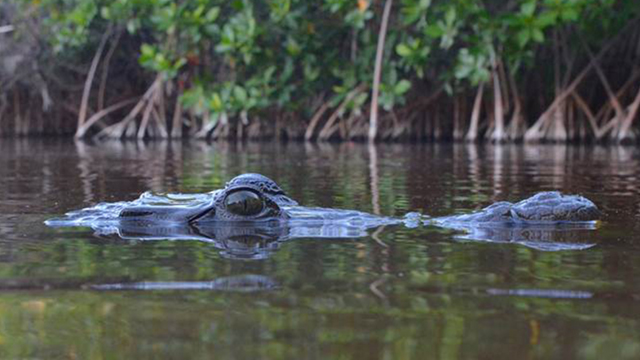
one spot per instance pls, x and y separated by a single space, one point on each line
398 293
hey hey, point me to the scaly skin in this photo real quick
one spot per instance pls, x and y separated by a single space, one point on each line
542 208
553 206
268 192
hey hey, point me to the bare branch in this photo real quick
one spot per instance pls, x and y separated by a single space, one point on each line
92 72
377 73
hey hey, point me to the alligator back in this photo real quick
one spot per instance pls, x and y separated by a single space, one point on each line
554 206
545 208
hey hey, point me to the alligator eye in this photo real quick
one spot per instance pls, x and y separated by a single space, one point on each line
244 203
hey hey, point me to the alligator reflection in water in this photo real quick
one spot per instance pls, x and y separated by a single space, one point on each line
241 241
252 215
540 238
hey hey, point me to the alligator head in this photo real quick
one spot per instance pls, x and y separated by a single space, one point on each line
246 198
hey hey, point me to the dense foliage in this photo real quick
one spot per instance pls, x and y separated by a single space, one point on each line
229 64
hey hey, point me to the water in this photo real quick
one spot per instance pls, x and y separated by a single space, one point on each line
394 294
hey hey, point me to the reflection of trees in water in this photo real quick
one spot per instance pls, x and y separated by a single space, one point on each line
158 165
286 324
7 224
433 179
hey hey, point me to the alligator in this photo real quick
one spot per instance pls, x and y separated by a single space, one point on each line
251 211
255 197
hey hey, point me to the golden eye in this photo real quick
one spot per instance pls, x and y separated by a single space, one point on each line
244 202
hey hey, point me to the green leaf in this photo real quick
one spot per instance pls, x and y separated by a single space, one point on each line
240 94
279 8
414 10
293 48
198 12
403 50
424 4
434 31
462 72
179 63
450 15
528 8
212 14
147 50
105 13
569 14
547 19
131 26
523 37
288 70
448 89
268 74
402 87
311 72
216 102
360 99
537 35
386 100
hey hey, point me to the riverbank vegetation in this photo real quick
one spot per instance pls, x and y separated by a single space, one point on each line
519 70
